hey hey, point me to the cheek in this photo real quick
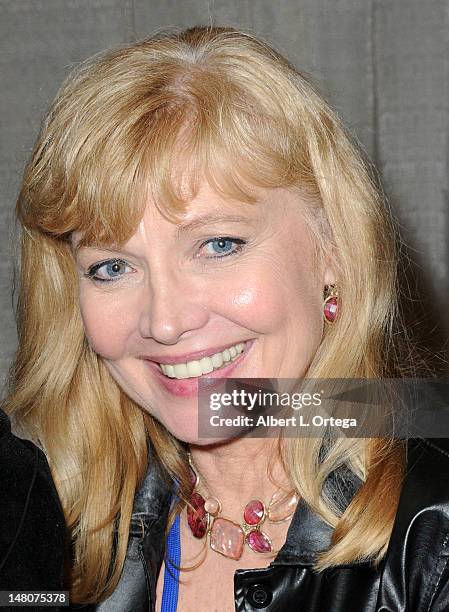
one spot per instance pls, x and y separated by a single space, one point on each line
107 325
271 299
256 307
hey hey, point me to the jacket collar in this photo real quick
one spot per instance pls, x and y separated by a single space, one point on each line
308 533
153 497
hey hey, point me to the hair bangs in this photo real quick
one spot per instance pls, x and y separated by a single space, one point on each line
234 152
154 135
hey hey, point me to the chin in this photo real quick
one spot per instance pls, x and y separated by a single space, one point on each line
189 435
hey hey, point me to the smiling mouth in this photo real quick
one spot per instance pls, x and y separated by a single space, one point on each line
206 365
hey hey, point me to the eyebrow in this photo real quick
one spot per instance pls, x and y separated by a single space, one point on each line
98 247
183 229
210 219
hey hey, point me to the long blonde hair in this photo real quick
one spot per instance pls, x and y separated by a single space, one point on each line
237 113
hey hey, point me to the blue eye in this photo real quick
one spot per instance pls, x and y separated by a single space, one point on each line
223 246
109 270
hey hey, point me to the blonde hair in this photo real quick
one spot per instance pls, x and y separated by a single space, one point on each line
242 116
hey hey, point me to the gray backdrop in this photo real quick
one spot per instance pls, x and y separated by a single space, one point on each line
382 63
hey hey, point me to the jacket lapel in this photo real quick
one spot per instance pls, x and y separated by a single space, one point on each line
308 533
136 589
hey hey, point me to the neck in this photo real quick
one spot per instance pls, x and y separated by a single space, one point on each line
239 470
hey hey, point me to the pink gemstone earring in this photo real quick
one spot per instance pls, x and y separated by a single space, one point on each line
331 303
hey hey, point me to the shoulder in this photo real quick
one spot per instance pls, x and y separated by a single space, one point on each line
426 480
424 501
32 528
416 567
22 464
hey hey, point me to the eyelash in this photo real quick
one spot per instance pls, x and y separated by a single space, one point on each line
95 267
90 274
237 241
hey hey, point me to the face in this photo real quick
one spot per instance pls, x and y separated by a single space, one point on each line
231 290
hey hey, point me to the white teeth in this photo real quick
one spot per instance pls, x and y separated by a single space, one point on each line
217 360
203 366
206 365
169 370
180 370
194 368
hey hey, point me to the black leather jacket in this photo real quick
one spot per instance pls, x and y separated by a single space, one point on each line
32 528
413 577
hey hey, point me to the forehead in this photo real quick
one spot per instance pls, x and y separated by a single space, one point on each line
208 204
209 209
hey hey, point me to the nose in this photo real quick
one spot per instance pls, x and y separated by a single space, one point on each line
172 307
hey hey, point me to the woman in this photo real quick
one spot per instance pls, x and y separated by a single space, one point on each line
190 202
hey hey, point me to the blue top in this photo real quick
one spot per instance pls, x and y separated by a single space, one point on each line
171 574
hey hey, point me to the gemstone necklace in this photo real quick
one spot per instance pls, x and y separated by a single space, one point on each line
228 538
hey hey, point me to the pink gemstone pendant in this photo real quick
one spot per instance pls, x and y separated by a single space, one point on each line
282 506
196 516
212 506
258 541
331 308
227 538
254 512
